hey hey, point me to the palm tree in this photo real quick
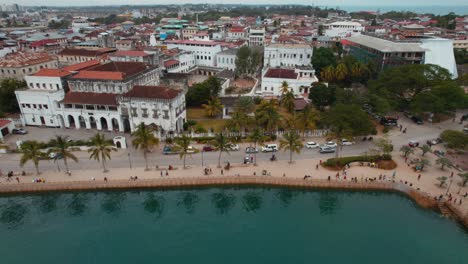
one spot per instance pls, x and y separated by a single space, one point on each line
213 108
239 120
222 143
183 144
425 148
442 180
287 101
307 119
328 74
60 148
406 150
145 140
341 72
100 150
424 162
284 88
256 137
291 142
31 152
443 162
267 115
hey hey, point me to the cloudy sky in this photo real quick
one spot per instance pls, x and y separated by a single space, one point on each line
330 3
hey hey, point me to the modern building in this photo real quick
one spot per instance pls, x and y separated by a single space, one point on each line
19 64
287 55
386 53
299 80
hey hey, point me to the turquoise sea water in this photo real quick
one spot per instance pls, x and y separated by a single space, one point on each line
246 225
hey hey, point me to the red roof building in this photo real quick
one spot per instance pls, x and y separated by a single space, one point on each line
281 74
153 92
86 98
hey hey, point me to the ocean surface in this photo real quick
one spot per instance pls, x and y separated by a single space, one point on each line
436 10
218 225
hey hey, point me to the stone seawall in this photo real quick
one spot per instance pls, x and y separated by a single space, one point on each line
420 198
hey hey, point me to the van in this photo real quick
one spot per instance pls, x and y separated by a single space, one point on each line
270 148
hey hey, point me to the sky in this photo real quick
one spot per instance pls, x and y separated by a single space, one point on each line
330 3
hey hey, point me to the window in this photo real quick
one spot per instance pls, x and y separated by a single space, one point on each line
145 112
166 114
58 87
134 112
45 106
155 113
28 105
34 106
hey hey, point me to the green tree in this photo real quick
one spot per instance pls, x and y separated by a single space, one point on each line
328 74
100 150
243 61
341 72
323 57
427 102
31 151
60 145
291 142
307 119
201 93
213 108
144 140
455 139
8 102
287 101
443 162
239 121
245 104
442 180
267 115
423 163
256 137
464 178
222 143
183 145
347 121
406 150
384 145
425 148
321 30
322 95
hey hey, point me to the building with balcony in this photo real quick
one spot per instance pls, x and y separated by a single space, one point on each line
299 80
19 64
287 55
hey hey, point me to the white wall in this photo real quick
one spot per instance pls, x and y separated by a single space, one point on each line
440 52
278 55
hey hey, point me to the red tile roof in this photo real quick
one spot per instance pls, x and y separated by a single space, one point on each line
155 92
281 74
195 42
85 52
43 42
112 71
4 123
170 63
44 72
81 66
100 75
90 98
21 59
130 53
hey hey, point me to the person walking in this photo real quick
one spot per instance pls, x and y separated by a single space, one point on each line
419 177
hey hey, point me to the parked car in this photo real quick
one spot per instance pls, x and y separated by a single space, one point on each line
208 148
270 148
345 142
168 150
250 150
19 131
417 120
191 149
413 143
330 144
389 121
233 147
434 141
325 149
54 155
311 145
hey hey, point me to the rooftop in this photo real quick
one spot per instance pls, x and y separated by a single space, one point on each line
90 98
45 72
289 46
81 66
21 59
112 71
281 74
130 53
384 45
154 92
85 52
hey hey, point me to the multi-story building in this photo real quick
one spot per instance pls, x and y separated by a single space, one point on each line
287 55
19 64
227 59
299 80
204 51
159 106
189 32
135 56
257 36
460 44
73 56
343 29
385 53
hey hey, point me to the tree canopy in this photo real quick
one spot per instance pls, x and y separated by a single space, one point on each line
200 93
455 139
322 58
8 102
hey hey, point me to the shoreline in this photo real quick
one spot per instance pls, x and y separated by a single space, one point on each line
422 199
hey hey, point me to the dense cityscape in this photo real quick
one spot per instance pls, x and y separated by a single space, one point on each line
175 96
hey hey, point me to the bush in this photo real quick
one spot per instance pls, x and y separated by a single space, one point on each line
340 162
188 124
204 139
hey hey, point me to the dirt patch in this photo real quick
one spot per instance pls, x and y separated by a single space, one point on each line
386 164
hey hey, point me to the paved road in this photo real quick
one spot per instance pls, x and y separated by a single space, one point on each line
121 159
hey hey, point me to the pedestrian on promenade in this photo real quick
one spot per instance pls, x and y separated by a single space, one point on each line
316 167
419 177
404 130
451 174
105 179
320 162
17 179
401 127
394 174
167 173
222 172
329 177
406 159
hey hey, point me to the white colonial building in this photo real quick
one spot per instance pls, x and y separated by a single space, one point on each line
343 29
227 59
19 64
203 51
299 80
287 55
257 36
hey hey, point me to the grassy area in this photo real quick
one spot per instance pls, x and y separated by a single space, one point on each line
217 124
196 113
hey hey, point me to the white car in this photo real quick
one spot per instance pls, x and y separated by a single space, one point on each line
311 145
345 142
330 144
190 149
270 148
233 147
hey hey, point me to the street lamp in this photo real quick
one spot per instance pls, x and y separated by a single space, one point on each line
129 160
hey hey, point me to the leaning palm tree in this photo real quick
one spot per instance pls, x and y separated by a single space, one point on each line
100 150
287 101
291 141
183 144
256 137
307 119
60 145
222 143
145 140
31 152
284 87
213 108
267 115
